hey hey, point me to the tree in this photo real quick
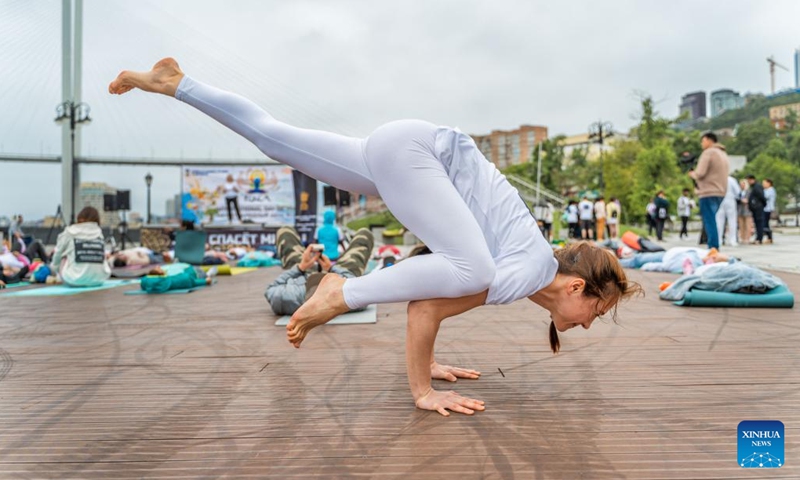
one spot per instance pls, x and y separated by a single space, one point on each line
655 169
790 120
552 165
618 172
651 128
752 138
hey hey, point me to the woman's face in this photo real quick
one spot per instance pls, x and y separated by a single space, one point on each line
576 309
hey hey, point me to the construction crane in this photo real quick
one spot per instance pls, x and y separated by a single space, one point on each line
772 65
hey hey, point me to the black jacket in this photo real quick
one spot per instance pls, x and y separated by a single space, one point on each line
757 199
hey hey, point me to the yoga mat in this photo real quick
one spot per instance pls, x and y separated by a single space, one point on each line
778 297
368 315
239 270
168 292
15 285
224 269
61 290
228 270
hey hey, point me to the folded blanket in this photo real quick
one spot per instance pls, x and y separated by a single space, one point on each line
722 277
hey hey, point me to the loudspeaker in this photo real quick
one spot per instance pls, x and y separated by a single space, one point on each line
329 195
109 202
344 198
123 199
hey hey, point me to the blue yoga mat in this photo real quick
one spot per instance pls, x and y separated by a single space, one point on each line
15 285
778 297
61 290
168 292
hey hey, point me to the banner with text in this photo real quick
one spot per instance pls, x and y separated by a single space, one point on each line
263 194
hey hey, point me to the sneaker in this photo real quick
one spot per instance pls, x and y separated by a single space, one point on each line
212 272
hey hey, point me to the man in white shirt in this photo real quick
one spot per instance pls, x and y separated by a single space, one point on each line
685 206
585 212
727 214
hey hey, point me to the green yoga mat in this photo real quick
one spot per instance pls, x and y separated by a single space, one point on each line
61 290
778 297
15 285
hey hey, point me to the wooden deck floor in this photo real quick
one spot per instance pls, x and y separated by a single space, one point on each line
102 385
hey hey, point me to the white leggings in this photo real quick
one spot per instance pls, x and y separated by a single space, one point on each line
398 162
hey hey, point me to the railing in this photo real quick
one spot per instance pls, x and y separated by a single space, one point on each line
528 192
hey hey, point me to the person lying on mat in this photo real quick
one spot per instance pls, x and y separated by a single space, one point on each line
159 282
79 257
290 290
139 256
675 260
9 275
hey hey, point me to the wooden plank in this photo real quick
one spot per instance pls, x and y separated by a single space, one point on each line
103 385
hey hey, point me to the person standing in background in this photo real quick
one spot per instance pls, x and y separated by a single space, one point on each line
756 202
613 217
572 220
770 196
650 216
711 176
662 213
745 219
585 210
685 206
727 214
600 218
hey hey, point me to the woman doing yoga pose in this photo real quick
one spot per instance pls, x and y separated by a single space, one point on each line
486 246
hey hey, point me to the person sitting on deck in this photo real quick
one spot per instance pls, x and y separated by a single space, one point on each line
79 256
290 290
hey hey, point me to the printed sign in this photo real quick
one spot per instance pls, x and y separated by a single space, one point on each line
229 238
89 251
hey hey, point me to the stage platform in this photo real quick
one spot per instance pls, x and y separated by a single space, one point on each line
102 385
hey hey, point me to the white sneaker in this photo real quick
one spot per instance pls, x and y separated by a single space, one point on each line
212 272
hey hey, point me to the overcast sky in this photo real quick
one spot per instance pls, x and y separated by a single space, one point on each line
349 66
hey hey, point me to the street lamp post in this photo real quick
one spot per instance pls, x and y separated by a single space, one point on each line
148 179
600 131
75 114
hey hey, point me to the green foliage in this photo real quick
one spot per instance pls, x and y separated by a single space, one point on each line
757 107
651 128
582 173
618 172
552 162
785 175
790 120
655 169
752 138
384 218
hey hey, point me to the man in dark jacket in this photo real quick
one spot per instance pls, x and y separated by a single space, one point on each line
756 203
662 213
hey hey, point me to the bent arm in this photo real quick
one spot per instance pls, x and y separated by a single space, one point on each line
424 317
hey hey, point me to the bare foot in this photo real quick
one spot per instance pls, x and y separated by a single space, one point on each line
163 78
326 303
